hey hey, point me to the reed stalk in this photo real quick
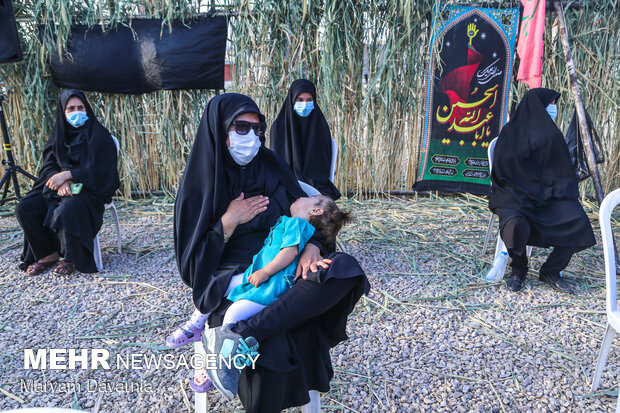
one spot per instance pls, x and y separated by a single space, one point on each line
367 58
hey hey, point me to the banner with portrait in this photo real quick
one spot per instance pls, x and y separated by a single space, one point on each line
468 81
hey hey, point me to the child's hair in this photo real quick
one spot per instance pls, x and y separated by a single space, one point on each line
332 219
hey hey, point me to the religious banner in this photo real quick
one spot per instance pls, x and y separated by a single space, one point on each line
467 89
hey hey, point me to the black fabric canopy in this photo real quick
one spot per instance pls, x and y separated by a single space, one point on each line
532 176
148 56
305 143
10 49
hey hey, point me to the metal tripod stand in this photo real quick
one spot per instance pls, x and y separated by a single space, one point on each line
11 169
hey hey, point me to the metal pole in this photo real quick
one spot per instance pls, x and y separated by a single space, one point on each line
10 174
581 114
5 135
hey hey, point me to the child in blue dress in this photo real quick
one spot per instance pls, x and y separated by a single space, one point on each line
272 271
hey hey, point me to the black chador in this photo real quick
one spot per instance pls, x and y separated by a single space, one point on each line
296 332
533 179
68 225
305 143
212 179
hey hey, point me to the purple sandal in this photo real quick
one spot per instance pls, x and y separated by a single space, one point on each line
201 383
187 333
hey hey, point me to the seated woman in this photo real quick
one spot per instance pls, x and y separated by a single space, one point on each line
534 191
272 273
301 136
233 191
56 220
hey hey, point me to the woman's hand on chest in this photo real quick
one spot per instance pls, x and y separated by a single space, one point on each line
241 211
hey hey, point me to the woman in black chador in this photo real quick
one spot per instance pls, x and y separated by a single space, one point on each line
301 136
535 192
56 220
233 191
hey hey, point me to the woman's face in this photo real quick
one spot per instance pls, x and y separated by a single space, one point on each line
304 97
249 117
74 104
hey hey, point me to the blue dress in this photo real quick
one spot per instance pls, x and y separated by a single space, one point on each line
287 232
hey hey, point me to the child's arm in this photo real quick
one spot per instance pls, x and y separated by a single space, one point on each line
279 262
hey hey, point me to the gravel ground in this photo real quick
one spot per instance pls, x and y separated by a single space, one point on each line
431 336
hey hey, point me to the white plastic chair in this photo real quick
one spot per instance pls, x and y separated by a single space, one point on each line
111 206
499 246
200 399
490 151
613 314
309 189
332 171
314 406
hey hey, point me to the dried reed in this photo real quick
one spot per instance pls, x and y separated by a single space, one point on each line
367 58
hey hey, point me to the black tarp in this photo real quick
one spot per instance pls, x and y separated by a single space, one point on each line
144 58
10 50
574 140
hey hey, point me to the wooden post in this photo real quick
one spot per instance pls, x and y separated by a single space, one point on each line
581 114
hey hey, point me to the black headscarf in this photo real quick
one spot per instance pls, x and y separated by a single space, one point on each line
531 161
532 176
305 143
88 152
210 182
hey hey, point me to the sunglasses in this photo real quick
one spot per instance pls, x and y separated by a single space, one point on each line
242 127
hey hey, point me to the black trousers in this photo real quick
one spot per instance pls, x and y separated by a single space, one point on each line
515 235
42 241
30 213
304 301
263 391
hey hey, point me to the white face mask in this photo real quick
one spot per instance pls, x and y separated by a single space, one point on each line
243 148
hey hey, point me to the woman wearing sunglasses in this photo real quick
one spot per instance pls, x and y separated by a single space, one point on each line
233 191
300 135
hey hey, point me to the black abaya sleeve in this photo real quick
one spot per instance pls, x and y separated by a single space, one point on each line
97 170
49 166
201 277
319 240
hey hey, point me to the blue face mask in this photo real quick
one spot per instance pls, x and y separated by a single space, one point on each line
303 109
552 110
77 118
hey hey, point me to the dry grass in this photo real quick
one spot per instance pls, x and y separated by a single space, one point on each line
431 335
377 124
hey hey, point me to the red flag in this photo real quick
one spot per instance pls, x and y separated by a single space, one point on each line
530 46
